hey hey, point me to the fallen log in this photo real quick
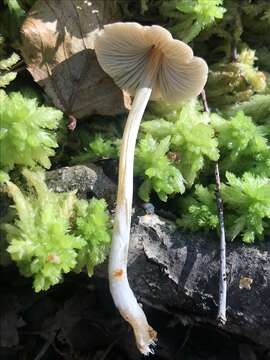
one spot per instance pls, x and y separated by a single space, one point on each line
178 272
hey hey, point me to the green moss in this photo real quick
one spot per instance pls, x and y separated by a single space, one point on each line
248 203
177 144
159 173
236 81
190 17
257 106
55 233
247 208
12 14
26 136
191 138
6 63
243 144
199 211
104 148
40 241
93 225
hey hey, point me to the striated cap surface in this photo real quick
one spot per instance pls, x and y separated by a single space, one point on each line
129 52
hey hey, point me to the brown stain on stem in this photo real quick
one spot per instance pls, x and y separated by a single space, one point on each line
118 273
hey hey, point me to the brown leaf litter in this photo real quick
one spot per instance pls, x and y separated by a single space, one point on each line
57 45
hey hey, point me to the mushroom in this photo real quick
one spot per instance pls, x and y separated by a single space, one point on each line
148 63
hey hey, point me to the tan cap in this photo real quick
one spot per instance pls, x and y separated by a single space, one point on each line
128 52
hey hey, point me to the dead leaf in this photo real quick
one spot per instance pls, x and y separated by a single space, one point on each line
57 45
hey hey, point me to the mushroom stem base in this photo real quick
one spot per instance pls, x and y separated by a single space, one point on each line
122 294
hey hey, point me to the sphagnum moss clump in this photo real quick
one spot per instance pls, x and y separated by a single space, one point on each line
27 136
55 233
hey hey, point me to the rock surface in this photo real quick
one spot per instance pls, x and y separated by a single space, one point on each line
89 180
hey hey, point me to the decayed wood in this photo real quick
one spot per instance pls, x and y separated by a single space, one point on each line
179 272
57 46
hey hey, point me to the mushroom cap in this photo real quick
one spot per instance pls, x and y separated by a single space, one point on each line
124 52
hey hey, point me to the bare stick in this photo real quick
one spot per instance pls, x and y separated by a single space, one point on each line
221 316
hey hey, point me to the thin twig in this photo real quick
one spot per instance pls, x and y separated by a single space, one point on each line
204 100
221 316
43 350
19 64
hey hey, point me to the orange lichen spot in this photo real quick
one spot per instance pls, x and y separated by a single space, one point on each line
118 273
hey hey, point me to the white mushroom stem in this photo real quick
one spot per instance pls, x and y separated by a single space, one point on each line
122 294
148 63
